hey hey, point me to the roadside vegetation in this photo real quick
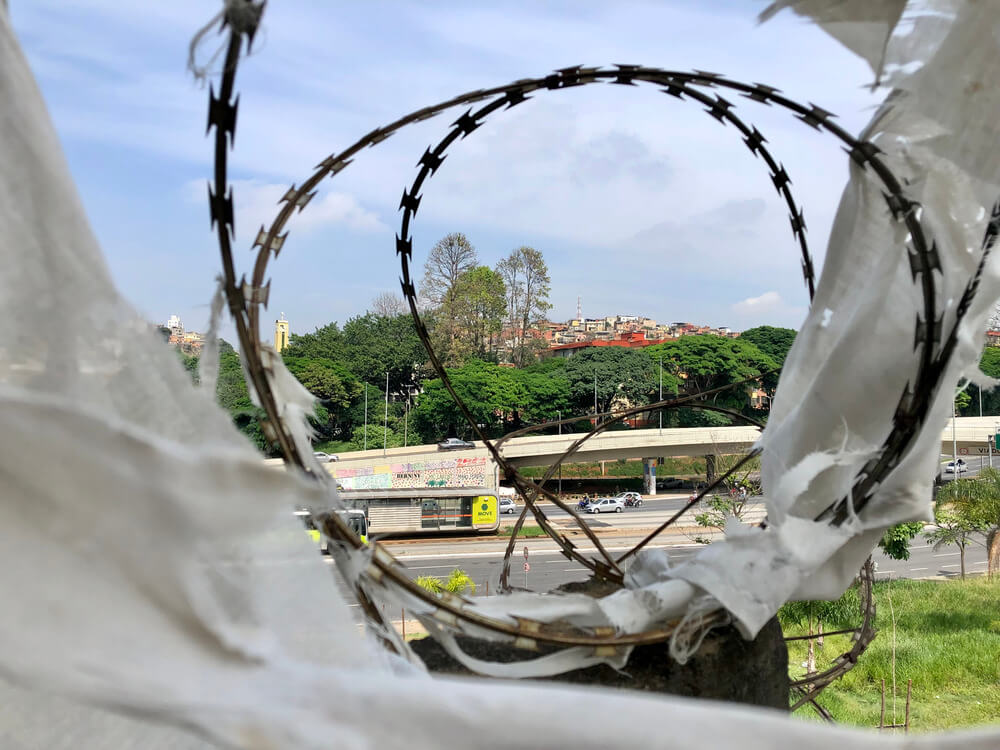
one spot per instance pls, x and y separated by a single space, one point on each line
942 635
483 322
526 532
680 468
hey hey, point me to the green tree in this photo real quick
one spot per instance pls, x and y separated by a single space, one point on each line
623 377
544 393
989 363
895 542
378 436
335 389
526 279
774 342
962 401
373 346
954 527
323 343
478 310
491 393
707 362
977 501
233 396
327 380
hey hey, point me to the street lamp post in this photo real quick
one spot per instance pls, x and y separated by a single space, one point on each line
595 397
661 394
559 427
366 416
954 439
385 423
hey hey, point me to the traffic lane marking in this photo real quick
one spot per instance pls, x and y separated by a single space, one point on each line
469 555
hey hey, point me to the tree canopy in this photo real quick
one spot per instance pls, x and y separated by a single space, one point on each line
774 342
707 362
621 376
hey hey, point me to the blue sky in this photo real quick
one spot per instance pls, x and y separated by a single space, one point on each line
640 204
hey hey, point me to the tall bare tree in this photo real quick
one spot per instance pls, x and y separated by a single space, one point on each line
526 277
447 261
388 305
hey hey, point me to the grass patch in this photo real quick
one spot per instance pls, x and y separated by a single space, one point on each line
947 641
527 532
333 446
681 466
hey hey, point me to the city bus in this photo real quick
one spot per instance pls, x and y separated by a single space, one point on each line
355 519
426 510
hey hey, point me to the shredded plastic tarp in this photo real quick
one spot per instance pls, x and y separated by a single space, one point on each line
159 593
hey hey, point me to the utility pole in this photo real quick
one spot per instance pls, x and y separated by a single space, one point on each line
595 397
661 393
954 439
406 414
385 423
366 416
559 417
980 389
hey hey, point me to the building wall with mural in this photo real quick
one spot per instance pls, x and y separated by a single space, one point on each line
443 472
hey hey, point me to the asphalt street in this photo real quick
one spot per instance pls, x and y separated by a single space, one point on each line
549 569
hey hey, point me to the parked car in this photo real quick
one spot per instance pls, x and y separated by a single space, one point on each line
606 505
454 444
630 499
325 458
950 468
507 505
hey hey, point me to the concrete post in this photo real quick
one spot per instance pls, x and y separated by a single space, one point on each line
649 476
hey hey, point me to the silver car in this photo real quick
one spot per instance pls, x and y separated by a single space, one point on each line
606 505
325 458
454 444
507 505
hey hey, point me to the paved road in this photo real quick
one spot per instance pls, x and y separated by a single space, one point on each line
550 569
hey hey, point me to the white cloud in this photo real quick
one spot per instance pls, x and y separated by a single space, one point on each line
766 302
767 309
585 175
256 203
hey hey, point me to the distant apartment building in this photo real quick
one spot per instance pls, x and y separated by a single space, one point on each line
565 339
993 337
189 342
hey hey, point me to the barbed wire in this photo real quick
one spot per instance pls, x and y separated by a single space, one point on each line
382 572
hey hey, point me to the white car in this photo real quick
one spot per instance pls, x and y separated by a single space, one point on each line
507 505
606 505
950 468
325 458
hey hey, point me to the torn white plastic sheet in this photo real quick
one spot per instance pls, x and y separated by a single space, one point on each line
152 566
863 26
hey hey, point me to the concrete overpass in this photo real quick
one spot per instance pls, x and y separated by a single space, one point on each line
425 465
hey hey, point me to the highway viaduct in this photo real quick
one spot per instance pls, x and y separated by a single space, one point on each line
425 465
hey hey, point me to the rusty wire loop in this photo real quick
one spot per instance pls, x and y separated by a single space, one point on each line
811 685
535 488
246 300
